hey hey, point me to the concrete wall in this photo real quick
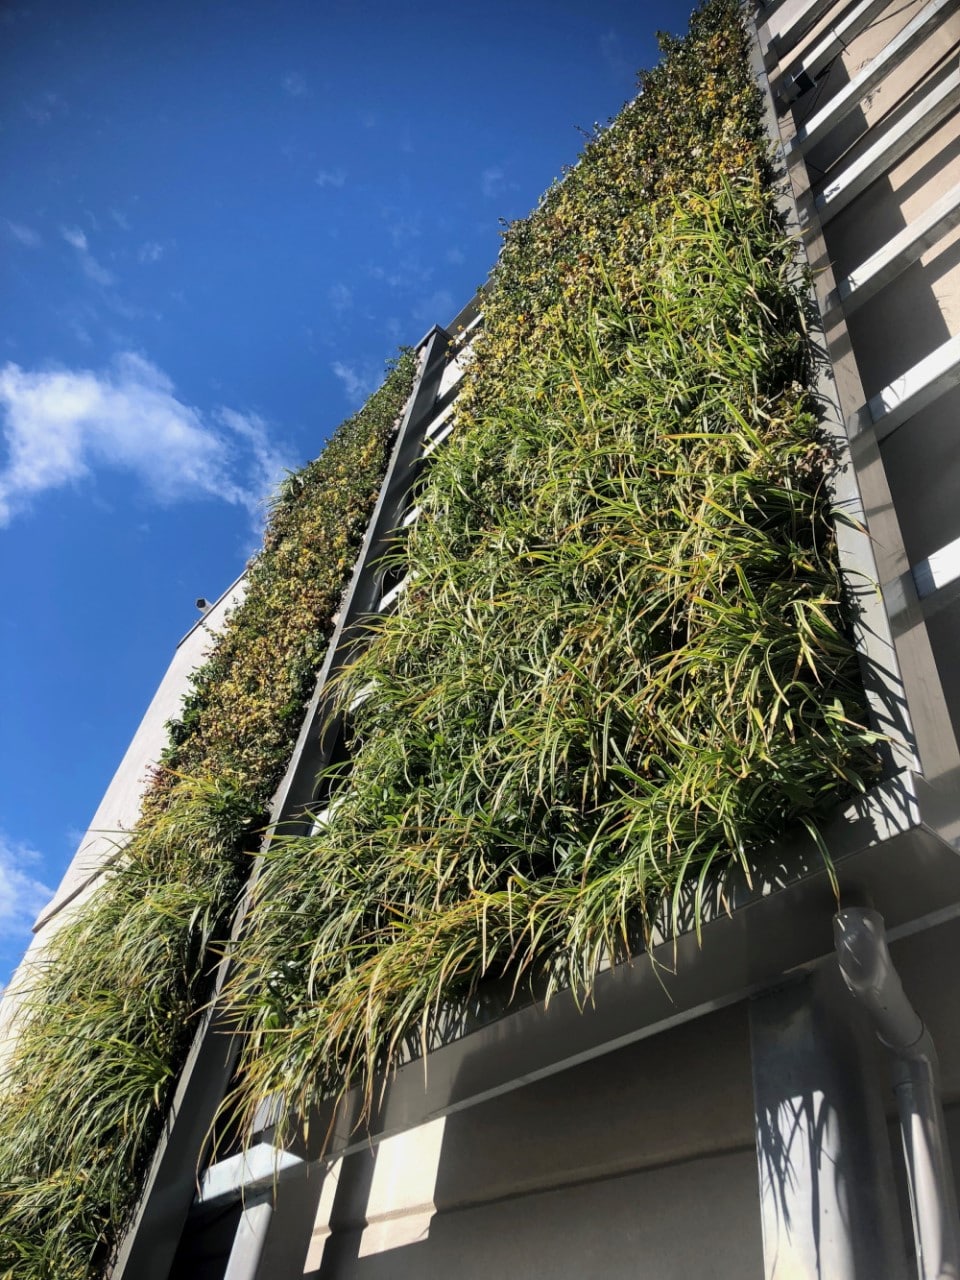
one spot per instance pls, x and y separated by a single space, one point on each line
119 809
637 1164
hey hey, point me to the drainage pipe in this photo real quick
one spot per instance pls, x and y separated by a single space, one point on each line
868 971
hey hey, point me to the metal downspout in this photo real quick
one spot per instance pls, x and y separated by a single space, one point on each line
868 970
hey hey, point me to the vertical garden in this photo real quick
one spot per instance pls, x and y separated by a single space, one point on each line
621 668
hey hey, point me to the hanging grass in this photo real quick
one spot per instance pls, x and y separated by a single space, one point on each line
621 666
114 1015
113 1005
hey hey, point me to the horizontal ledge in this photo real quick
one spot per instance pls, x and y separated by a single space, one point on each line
889 846
258 1167
393 595
938 570
798 26
912 392
900 252
851 95
921 120
437 440
815 60
438 421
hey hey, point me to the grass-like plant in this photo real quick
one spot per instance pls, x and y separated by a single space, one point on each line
113 1004
621 667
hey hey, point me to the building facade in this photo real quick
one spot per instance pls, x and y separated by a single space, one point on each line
756 1101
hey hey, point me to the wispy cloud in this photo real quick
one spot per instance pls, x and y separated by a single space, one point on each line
402 227
438 308
150 251
340 297
330 178
62 425
43 106
359 380
611 50
455 256
121 219
295 84
91 268
491 181
24 235
22 894
76 237
407 273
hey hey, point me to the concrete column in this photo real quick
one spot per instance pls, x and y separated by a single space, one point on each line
828 1202
250 1240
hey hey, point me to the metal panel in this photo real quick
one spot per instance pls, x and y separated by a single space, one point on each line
900 252
877 160
913 391
851 95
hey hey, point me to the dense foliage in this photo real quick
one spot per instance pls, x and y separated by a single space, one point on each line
621 665
620 668
115 1001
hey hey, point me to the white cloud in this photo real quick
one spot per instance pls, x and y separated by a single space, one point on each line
491 181
295 84
61 425
330 178
121 219
149 252
24 235
268 462
455 256
77 239
340 297
22 895
359 381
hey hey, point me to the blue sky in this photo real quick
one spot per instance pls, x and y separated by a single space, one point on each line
217 221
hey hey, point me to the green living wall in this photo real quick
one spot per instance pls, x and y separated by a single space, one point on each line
114 1005
621 666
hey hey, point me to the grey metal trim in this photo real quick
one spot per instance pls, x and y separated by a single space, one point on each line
938 570
851 95
250 1241
846 28
892 624
257 1168
900 252
877 160
801 22
921 385
879 668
